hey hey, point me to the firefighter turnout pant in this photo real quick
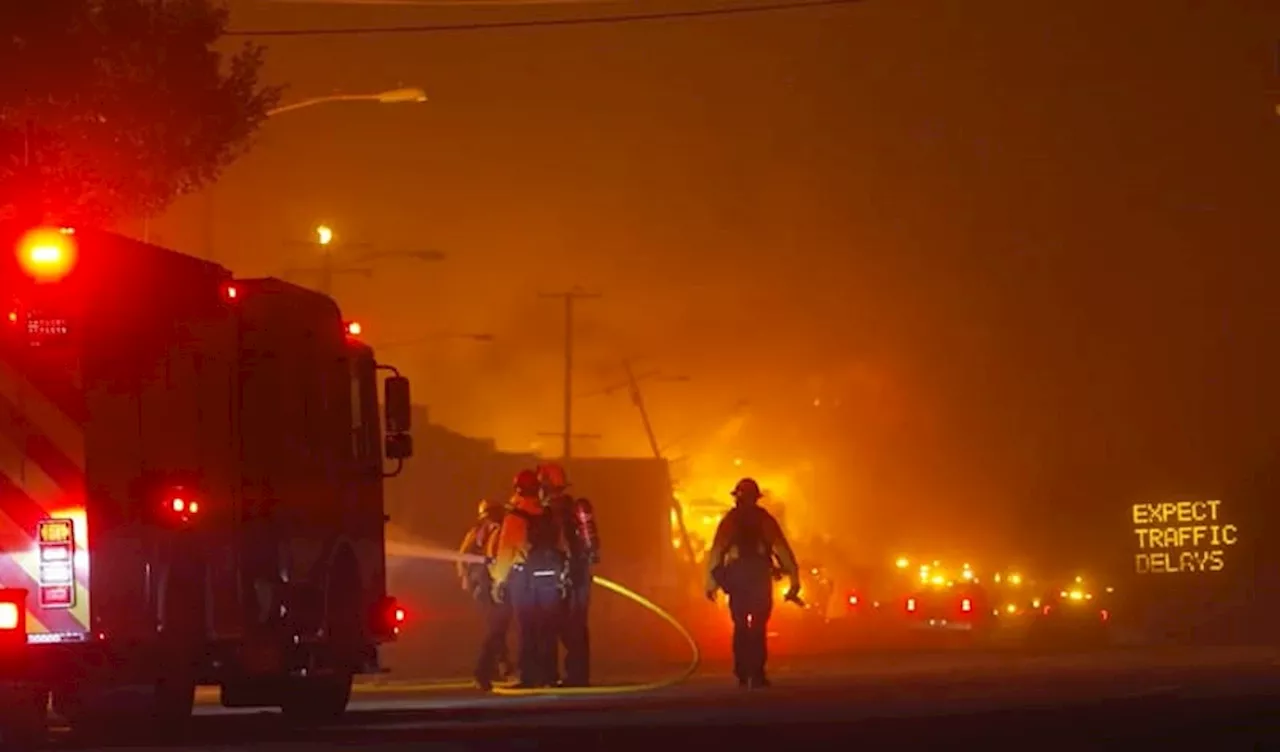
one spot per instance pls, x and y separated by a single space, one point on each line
750 605
537 597
575 633
494 656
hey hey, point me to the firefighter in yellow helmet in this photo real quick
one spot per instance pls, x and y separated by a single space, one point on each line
741 562
482 540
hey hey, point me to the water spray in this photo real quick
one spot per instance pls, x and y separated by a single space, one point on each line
431 552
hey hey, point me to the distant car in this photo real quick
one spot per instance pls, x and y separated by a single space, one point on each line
1072 618
856 604
858 607
948 609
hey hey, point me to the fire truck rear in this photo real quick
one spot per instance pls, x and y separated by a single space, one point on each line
191 480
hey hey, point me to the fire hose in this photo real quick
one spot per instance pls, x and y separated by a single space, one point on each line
618 689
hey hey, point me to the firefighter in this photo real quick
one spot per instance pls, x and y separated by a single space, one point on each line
482 540
577 520
529 571
741 562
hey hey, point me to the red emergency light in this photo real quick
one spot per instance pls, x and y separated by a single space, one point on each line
389 616
911 605
47 254
13 617
966 605
354 329
10 617
230 291
181 505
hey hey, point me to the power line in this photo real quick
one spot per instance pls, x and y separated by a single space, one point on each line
453 4
735 10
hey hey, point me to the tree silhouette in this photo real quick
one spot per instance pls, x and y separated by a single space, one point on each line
111 109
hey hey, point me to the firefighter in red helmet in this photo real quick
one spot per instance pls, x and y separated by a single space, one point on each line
529 571
741 562
482 540
577 520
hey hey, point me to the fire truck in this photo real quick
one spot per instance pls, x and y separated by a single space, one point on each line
191 487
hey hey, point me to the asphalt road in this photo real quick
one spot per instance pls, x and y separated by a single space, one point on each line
1225 699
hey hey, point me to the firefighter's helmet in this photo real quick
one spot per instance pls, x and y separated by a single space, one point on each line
526 483
747 490
490 508
552 476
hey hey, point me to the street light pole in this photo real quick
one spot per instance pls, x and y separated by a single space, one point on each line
392 96
324 236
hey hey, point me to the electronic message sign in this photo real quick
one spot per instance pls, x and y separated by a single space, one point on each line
1182 537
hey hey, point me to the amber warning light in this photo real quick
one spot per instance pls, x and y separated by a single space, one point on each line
55 531
47 255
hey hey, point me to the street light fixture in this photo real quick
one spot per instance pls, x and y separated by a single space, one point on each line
393 96
402 96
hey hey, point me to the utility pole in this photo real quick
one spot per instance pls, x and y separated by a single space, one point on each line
637 399
569 298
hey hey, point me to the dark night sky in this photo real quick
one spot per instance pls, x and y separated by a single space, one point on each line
1021 244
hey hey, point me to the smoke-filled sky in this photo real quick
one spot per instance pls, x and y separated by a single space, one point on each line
968 259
